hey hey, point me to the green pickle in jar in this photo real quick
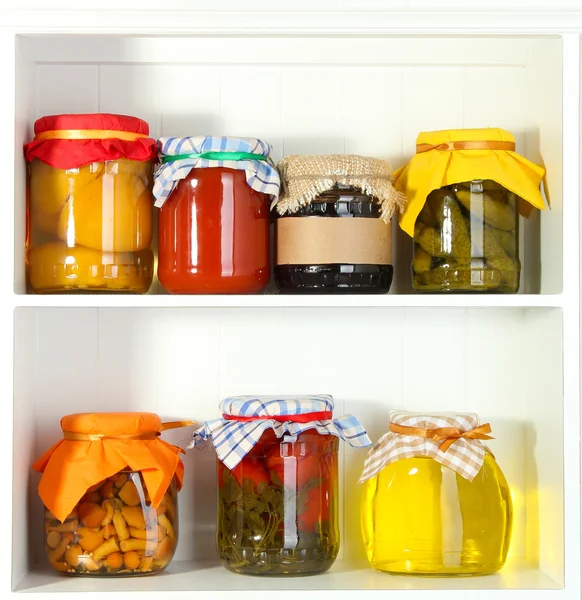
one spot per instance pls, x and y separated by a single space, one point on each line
466 239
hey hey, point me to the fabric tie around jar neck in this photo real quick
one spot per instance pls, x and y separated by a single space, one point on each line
246 418
453 440
467 145
74 436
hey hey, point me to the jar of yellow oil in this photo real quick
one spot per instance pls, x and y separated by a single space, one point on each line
434 501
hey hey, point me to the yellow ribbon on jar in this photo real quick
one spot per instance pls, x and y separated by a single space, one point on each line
89 134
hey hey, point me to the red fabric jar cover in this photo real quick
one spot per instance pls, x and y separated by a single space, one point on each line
72 141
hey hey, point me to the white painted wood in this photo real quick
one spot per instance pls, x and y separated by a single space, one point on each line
513 359
187 580
181 362
324 16
279 301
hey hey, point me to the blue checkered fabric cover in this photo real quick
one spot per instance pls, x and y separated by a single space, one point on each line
261 175
234 439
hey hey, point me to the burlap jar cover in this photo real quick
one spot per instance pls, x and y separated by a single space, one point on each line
453 440
329 239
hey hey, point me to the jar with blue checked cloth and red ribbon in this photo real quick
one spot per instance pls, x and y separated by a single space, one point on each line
214 198
278 481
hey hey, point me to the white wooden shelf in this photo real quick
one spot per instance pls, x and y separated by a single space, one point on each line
310 76
294 301
188 577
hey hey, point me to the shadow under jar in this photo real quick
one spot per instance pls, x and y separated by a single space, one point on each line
466 239
335 244
277 509
114 530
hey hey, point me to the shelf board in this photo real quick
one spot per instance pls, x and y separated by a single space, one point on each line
208 577
292 301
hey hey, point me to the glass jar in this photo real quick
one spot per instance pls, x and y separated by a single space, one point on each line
89 213
102 524
277 509
114 530
336 243
213 235
434 500
421 518
466 239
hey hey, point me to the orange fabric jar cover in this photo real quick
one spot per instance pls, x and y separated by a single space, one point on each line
72 141
99 445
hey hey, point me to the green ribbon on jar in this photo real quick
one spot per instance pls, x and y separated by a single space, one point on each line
216 156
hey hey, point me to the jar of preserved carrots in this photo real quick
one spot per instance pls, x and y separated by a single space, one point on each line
90 204
103 517
277 482
435 502
214 196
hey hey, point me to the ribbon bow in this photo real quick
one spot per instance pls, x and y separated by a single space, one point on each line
467 145
449 435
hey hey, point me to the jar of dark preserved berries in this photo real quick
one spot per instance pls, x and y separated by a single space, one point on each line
333 228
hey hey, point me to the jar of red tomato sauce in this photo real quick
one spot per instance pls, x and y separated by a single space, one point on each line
214 195
277 482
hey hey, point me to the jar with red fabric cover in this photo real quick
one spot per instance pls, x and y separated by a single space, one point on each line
278 499
213 226
89 213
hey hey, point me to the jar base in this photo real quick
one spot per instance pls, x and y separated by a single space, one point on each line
275 569
195 285
404 568
334 279
47 275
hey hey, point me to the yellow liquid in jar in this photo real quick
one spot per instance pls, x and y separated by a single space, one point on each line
421 518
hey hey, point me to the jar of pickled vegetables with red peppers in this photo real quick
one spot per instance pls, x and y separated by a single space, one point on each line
277 482
110 493
214 196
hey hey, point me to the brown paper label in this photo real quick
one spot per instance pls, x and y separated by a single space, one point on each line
328 240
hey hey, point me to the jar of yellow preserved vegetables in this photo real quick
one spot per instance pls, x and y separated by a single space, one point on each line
434 501
103 517
90 204
277 482
466 189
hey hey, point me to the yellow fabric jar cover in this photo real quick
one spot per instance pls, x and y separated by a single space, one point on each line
448 157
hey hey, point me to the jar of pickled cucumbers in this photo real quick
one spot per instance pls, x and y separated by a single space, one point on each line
101 516
434 500
90 204
466 190
277 482
333 227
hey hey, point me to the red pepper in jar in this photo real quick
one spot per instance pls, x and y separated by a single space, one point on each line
253 469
